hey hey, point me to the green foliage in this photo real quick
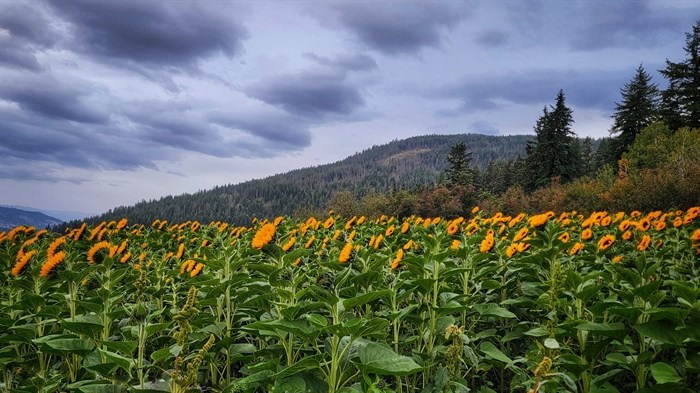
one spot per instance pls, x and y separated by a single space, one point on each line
680 102
555 152
638 109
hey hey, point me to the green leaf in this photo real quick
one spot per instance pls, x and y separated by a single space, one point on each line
101 388
551 343
306 363
379 359
662 331
123 362
63 346
493 352
88 329
154 328
365 298
615 330
664 373
493 310
125 347
290 385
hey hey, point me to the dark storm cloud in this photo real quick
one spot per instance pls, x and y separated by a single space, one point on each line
310 94
402 27
589 89
24 30
169 35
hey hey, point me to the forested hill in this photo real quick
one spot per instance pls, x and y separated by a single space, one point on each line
404 163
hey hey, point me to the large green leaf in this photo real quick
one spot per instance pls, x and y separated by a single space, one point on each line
662 331
88 329
307 363
365 298
491 309
63 346
123 362
379 359
614 330
491 351
664 373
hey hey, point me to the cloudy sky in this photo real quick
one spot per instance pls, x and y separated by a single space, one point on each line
105 103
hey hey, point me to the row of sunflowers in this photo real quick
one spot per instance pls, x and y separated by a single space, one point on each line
607 302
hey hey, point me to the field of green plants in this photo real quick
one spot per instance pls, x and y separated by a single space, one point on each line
608 302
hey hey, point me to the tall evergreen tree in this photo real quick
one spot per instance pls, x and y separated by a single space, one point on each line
554 152
680 102
638 109
459 172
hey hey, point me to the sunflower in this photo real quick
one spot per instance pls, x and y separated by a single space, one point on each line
539 219
644 243
617 259
520 235
643 225
397 259
455 244
51 263
605 242
345 253
452 228
22 262
487 243
263 236
289 244
586 234
564 237
576 248
94 250
512 249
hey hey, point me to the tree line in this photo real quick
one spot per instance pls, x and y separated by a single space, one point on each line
650 161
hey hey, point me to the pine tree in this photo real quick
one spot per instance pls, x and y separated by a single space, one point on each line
459 172
680 102
638 109
554 153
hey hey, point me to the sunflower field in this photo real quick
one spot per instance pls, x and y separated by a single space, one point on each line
608 302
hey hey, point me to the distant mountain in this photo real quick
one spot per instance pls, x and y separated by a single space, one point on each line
64 215
407 163
11 217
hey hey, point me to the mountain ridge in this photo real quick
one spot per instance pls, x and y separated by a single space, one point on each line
406 163
11 217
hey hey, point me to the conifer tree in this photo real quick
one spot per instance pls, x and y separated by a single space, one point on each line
554 153
638 109
459 172
680 102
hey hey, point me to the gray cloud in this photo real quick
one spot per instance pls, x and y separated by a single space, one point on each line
400 28
596 25
154 38
354 62
585 89
75 123
25 30
492 38
309 94
155 32
483 127
625 23
49 97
